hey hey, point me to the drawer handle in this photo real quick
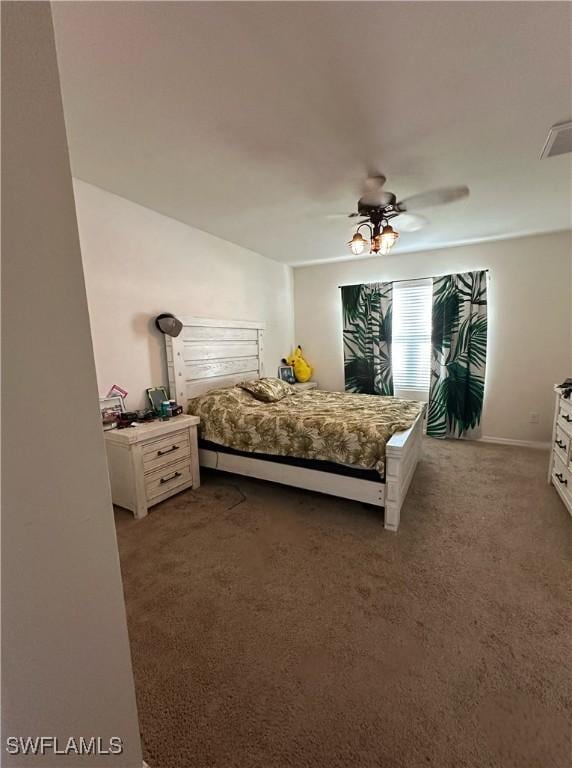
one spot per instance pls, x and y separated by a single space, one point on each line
566 417
169 450
560 443
170 477
560 479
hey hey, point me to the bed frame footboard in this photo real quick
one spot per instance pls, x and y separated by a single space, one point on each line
401 456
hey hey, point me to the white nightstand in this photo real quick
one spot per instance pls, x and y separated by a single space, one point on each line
150 462
306 385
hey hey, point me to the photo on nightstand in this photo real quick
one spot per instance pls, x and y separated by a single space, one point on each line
111 408
157 396
286 373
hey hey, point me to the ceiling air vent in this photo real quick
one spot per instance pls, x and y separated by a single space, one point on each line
559 140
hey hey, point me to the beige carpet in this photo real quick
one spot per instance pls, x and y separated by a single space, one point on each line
272 627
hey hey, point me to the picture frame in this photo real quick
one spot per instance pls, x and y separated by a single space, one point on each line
286 373
117 391
110 408
156 396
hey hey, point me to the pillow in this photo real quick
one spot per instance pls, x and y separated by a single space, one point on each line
268 390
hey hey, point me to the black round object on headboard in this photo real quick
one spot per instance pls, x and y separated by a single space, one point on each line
169 324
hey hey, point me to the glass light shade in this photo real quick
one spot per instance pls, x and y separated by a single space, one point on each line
357 244
387 239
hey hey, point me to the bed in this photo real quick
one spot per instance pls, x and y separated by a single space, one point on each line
358 447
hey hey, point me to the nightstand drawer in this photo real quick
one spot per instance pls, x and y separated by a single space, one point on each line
160 453
167 479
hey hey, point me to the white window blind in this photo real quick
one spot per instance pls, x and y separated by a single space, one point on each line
411 346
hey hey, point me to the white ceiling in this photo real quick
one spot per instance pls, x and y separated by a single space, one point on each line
254 121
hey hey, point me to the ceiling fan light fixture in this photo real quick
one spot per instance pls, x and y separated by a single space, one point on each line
358 244
377 207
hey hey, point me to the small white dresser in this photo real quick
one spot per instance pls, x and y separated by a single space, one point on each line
150 462
560 467
301 387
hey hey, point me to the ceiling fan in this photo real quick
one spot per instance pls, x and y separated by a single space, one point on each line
378 207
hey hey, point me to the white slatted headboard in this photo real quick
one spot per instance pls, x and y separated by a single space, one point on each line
208 354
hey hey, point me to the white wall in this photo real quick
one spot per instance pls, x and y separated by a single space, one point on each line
67 667
139 263
530 334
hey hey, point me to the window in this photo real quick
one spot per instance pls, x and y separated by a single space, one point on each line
411 350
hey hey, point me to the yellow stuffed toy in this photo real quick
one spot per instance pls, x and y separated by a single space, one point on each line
302 370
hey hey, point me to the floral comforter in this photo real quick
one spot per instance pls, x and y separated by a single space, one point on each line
332 426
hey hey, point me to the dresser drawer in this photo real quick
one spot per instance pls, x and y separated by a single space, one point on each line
564 420
562 478
167 479
160 453
562 445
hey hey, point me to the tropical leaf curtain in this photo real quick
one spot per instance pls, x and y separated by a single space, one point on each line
459 351
367 313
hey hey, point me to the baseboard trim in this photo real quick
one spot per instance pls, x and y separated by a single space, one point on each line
519 443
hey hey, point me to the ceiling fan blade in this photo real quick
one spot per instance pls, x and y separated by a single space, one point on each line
409 222
433 197
374 183
372 194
